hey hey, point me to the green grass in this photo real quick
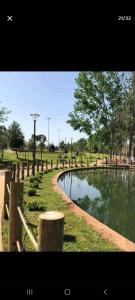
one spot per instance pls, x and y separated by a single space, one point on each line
48 156
78 236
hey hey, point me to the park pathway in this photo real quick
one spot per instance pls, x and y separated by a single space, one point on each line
1 206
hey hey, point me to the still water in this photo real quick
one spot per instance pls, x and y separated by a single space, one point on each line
108 195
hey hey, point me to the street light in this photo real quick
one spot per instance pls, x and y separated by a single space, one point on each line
59 138
48 132
34 117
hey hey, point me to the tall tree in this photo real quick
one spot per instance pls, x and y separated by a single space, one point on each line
3 114
3 139
131 115
99 97
16 137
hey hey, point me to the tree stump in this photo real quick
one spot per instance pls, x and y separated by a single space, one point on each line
51 231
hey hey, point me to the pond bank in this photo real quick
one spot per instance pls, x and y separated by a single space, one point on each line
106 232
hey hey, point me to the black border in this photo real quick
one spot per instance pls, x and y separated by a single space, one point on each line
67 45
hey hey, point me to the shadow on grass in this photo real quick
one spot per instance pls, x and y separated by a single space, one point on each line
69 238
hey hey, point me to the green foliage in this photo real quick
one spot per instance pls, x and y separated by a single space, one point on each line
101 107
16 137
3 114
35 205
31 192
35 179
35 184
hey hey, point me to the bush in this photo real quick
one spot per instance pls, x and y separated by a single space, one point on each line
35 184
35 205
31 192
40 174
35 178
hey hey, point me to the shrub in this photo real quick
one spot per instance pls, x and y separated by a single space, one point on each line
40 174
31 192
35 178
35 184
35 205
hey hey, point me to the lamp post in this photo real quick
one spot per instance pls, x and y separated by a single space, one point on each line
34 117
59 138
48 131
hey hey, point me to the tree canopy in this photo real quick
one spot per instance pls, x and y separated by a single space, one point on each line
105 105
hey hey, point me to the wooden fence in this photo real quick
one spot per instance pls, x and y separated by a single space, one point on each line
50 224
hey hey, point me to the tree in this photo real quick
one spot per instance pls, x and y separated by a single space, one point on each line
3 139
16 137
3 114
52 148
131 98
82 144
62 145
100 97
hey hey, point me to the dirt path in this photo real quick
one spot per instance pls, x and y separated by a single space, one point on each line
1 206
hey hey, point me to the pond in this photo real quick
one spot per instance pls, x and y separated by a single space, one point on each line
106 194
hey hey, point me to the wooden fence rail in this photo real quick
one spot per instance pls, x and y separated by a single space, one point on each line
27 229
51 224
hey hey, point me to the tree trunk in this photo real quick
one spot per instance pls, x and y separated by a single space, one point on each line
132 119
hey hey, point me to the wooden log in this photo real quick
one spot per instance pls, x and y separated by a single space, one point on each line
37 166
51 231
28 168
46 165
42 166
57 164
18 171
22 171
15 223
51 164
7 180
14 172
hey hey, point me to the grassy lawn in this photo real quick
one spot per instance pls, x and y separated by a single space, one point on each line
78 236
48 156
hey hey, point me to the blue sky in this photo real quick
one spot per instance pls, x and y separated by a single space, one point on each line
51 94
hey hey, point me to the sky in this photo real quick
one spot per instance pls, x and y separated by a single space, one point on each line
50 94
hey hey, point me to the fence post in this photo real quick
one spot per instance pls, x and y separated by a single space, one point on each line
116 162
51 231
63 163
14 172
28 169
69 163
96 162
18 171
87 162
46 165
42 166
37 166
22 171
7 180
131 162
51 164
106 161
57 164
15 223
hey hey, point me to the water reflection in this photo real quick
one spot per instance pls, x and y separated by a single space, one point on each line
108 195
